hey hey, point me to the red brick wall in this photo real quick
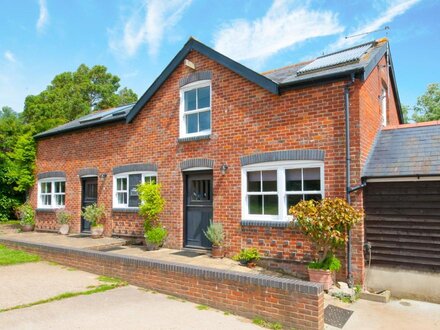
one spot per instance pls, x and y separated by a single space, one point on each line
242 296
246 119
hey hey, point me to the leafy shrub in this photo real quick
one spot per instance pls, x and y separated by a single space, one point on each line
94 214
63 217
247 255
152 204
331 263
7 206
215 234
156 235
326 223
26 214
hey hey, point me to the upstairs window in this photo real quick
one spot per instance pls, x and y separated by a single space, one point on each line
195 109
51 193
125 193
383 106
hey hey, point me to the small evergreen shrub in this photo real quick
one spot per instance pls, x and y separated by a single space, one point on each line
63 217
94 214
215 233
247 255
151 204
156 236
26 214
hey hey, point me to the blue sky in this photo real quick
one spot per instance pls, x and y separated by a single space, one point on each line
136 39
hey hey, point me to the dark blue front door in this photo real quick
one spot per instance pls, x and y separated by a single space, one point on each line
89 196
198 213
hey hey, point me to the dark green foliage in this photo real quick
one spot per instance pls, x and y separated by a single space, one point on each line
156 235
69 96
247 255
331 263
74 94
428 105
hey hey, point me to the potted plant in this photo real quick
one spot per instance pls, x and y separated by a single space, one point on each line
151 205
326 223
247 257
63 218
155 237
215 234
26 214
94 214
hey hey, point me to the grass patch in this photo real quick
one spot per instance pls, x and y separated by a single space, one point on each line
113 280
99 288
10 222
11 257
202 307
265 324
176 298
53 263
226 313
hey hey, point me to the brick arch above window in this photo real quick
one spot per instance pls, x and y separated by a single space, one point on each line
90 171
299 154
193 77
196 162
51 174
137 167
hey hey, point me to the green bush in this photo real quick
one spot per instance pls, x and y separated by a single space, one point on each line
94 214
151 204
326 223
156 235
331 263
63 217
26 214
215 234
7 206
247 255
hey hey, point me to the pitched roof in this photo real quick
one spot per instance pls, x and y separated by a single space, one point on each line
409 150
359 60
93 119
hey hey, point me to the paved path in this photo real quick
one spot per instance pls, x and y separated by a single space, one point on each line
122 308
30 282
397 314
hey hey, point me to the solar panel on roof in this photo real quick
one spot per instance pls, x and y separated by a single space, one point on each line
105 114
342 57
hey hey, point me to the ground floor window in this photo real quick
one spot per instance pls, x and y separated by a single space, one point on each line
124 186
270 189
51 193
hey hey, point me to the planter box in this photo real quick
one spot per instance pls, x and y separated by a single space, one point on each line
321 276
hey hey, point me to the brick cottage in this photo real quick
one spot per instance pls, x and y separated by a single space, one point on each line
227 144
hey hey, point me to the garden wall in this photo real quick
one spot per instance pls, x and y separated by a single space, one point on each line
293 303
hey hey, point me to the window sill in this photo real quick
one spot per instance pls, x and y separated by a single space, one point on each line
194 138
48 209
126 210
266 223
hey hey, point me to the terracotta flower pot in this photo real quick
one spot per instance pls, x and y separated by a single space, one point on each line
27 228
217 252
321 276
64 229
97 231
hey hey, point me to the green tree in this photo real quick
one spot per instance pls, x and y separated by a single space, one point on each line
74 94
405 112
428 105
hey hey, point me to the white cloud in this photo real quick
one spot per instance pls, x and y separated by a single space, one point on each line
43 18
394 8
9 56
147 26
287 23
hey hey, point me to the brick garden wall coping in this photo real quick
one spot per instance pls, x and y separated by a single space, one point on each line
300 304
255 279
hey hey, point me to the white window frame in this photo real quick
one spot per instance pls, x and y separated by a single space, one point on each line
183 113
126 175
53 194
383 106
280 167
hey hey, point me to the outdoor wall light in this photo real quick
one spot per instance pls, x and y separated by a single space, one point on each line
223 169
103 176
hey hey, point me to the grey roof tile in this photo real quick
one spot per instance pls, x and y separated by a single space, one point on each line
406 151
